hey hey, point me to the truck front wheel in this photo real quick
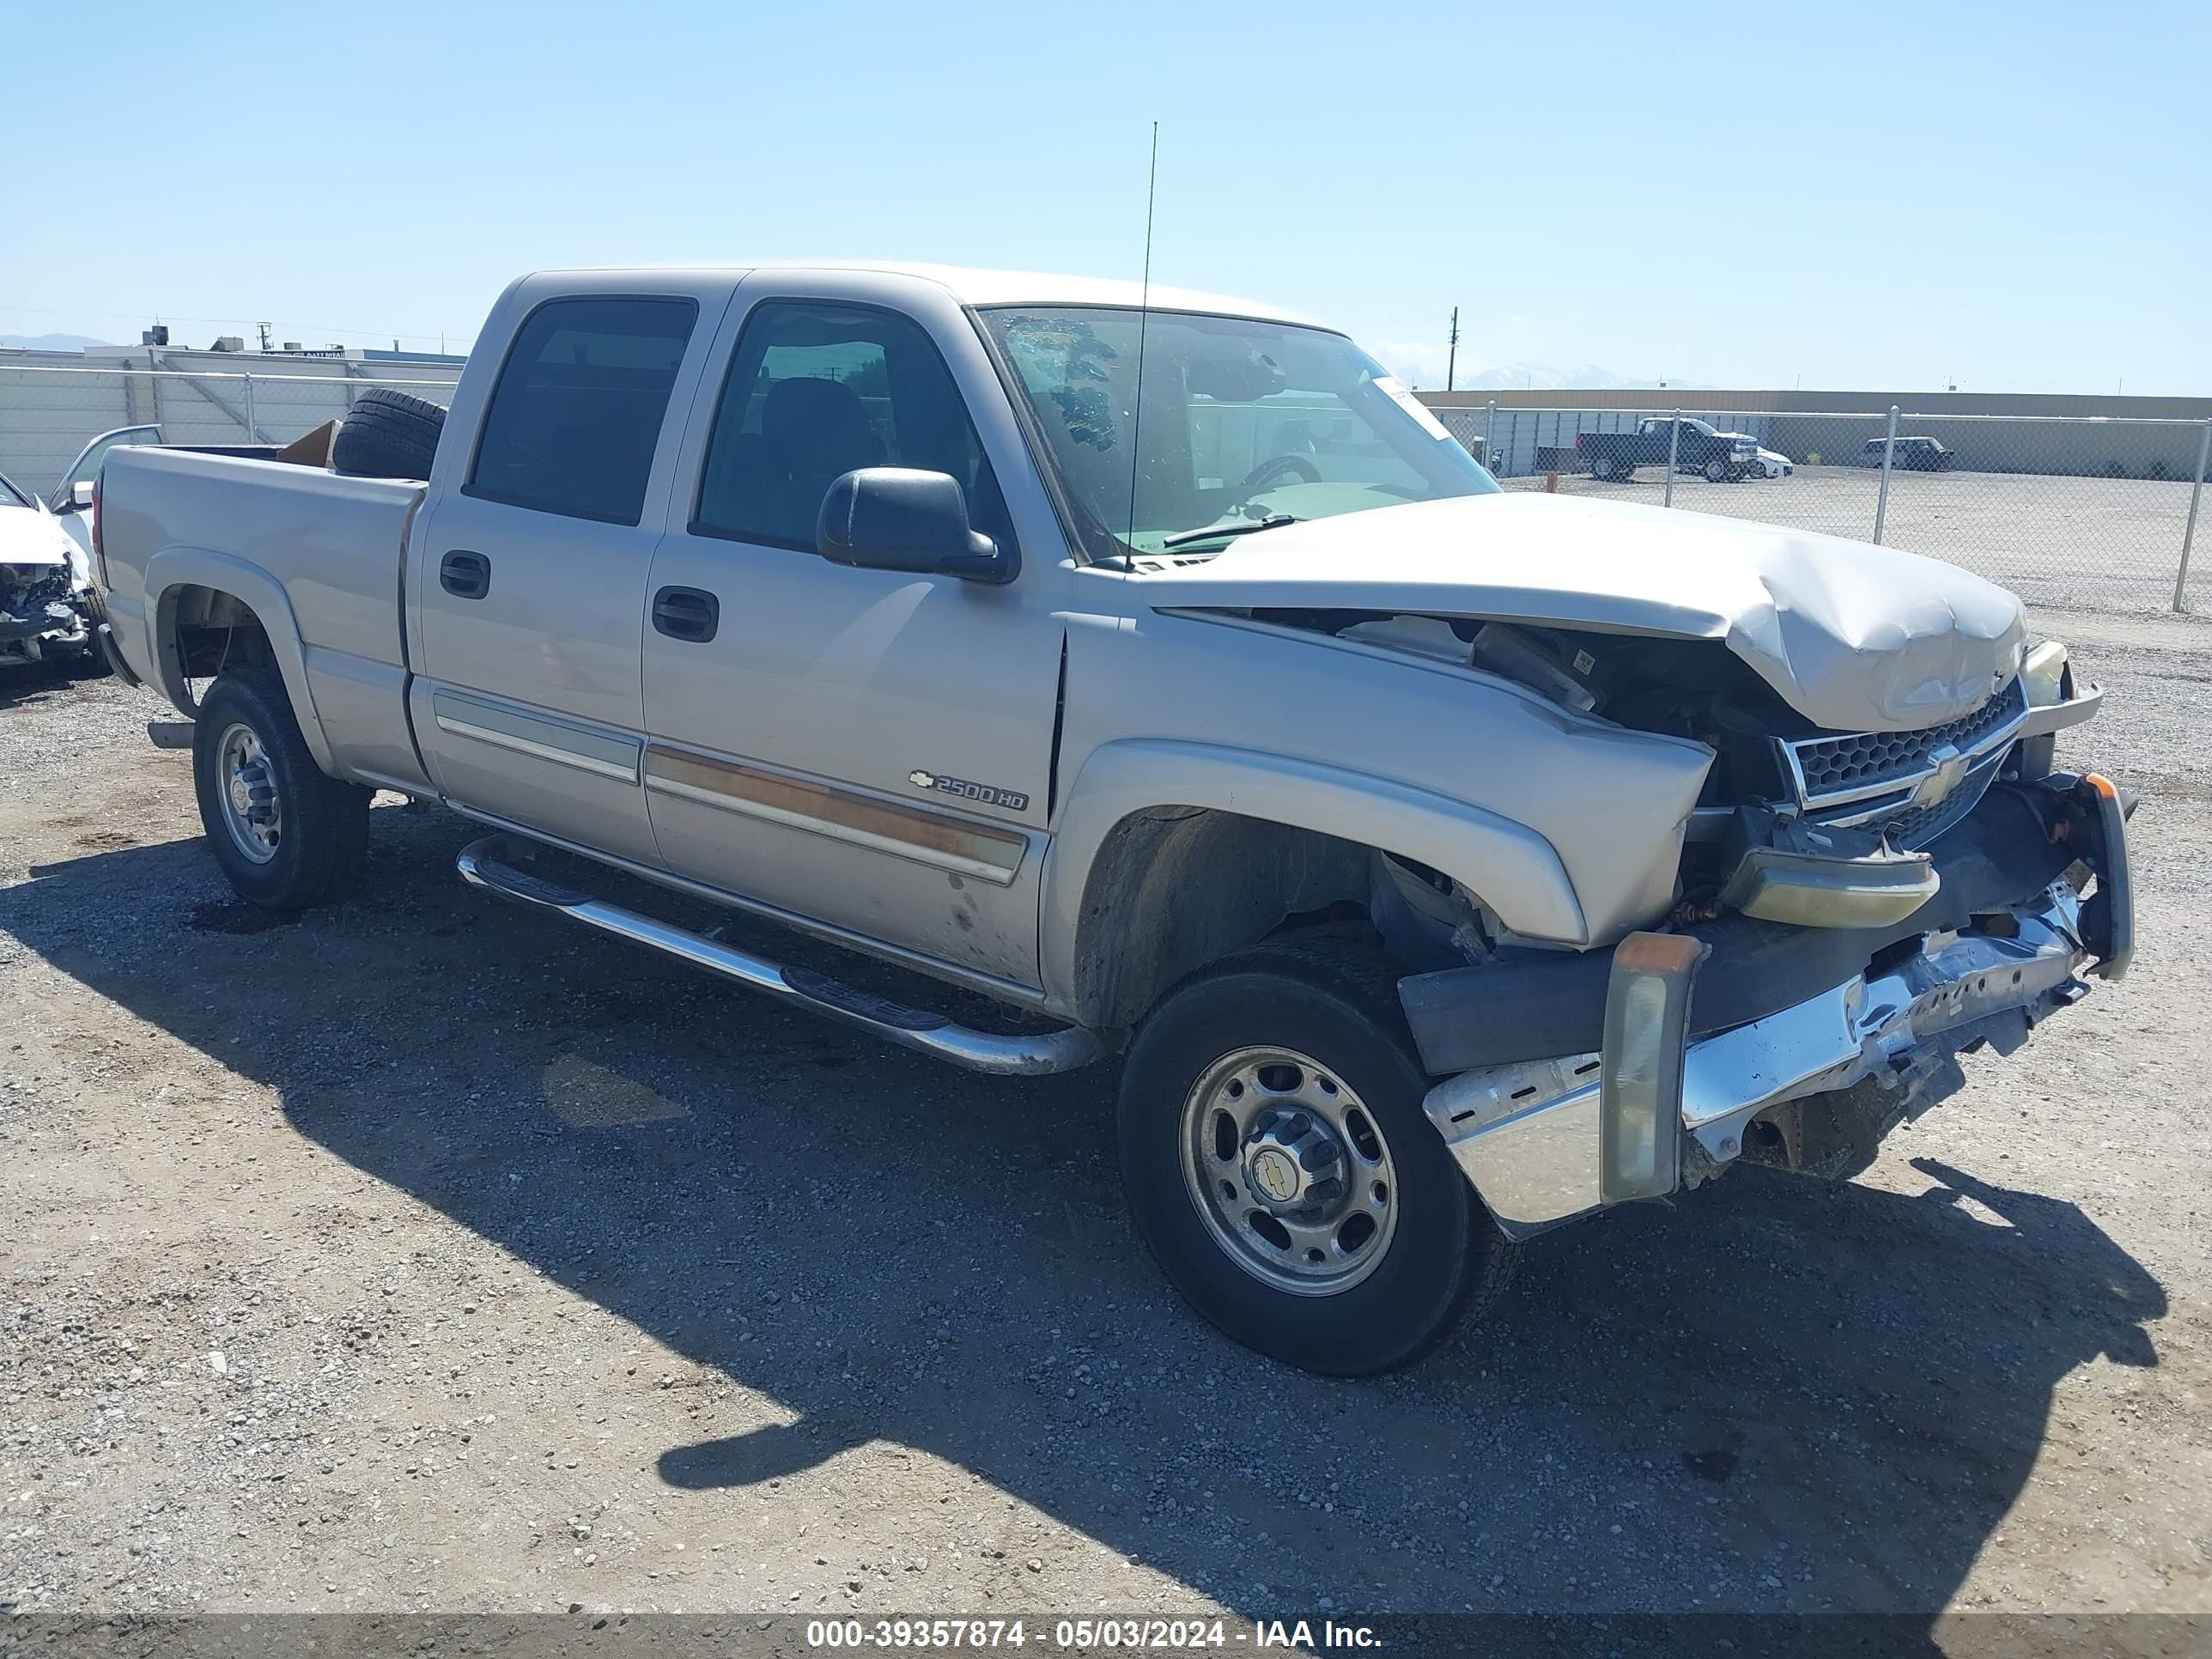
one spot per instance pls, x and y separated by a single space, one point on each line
1280 1167
286 834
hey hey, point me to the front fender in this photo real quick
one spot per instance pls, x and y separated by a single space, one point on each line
171 570
1515 871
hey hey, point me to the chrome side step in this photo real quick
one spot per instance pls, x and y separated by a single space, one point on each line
481 865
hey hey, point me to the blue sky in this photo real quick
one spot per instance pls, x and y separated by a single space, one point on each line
2013 198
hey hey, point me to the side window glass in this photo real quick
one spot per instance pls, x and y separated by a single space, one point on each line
576 416
816 390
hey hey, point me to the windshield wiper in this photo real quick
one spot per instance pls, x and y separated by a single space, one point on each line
1272 521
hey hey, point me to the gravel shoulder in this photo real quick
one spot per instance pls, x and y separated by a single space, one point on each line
417 1254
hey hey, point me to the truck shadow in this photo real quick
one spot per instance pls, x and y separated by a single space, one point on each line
1773 1395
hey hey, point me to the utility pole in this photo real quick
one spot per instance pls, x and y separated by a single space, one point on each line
263 327
1451 358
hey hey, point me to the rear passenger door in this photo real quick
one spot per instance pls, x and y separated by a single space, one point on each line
866 749
527 580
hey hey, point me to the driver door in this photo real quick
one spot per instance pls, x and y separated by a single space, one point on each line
867 749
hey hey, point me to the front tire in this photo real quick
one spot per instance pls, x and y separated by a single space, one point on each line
287 835
1280 1167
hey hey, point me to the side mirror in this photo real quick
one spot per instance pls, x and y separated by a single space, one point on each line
896 518
79 497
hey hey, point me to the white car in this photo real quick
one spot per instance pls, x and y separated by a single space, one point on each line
1773 464
46 601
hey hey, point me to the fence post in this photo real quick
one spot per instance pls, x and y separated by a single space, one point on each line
1490 436
2189 534
252 426
1674 442
1888 454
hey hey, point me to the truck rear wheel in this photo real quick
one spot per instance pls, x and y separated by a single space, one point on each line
387 435
1602 466
287 835
1281 1169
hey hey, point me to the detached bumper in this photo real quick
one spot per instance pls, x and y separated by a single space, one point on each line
1536 1137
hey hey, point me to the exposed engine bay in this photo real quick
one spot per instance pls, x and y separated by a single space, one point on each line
1794 824
42 612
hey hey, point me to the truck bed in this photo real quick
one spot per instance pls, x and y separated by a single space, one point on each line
329 551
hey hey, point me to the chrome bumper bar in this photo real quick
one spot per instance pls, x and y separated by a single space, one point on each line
1527 1135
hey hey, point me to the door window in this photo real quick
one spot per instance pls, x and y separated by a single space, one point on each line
576 416
816 390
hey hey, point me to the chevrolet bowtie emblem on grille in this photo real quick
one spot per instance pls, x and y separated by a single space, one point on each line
1936 788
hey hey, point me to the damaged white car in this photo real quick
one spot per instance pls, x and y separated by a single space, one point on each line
47 607
1445 864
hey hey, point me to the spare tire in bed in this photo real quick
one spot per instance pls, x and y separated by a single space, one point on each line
387 435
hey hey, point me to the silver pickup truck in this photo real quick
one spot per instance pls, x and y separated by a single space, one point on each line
1442 864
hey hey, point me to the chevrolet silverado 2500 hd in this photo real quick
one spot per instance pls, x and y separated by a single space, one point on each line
1445 863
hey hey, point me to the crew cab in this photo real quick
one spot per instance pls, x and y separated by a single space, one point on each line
1442 865
1694 446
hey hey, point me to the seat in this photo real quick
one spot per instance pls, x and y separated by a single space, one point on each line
812 430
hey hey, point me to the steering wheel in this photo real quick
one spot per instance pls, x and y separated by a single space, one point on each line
1251 483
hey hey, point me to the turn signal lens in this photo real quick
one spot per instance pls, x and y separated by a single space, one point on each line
1647 1022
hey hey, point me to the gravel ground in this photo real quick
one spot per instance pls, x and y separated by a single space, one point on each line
419 1254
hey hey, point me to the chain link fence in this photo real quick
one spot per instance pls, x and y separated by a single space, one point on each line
2094 513
2087 511
47 414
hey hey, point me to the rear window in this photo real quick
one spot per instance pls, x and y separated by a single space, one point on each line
576 415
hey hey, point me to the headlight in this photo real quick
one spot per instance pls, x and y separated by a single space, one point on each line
2042 674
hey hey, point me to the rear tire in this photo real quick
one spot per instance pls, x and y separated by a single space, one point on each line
387 435
287 835
1602 468
1291 1028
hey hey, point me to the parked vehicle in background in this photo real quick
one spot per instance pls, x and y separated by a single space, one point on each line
71 500
1773 463
855 599
47 599
1912 454
1720 457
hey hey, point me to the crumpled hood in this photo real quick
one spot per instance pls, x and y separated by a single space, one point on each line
1854 637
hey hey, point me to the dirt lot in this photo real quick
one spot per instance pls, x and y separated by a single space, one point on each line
418 1253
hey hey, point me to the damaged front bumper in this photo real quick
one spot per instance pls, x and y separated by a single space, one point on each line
41 614
1545 1140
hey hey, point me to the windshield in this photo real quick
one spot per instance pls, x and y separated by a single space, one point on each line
11 496
1243 424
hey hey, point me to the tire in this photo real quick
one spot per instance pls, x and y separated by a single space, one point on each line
387 435
1601 468
1333 1008
1717 471
318 826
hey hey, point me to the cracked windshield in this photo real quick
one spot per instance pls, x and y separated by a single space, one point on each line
1245 426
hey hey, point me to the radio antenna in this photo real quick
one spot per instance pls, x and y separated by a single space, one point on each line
1144 315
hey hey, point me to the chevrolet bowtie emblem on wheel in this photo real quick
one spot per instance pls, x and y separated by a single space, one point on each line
1936 788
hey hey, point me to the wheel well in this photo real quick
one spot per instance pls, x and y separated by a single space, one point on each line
211 631
1174 888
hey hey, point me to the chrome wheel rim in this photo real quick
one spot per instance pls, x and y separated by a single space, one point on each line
250 810
1289 1171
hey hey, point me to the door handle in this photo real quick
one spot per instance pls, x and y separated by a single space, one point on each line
464 574
689 614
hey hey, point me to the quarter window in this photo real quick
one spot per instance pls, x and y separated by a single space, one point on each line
576 416
815 390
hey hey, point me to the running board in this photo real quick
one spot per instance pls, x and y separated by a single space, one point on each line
481 865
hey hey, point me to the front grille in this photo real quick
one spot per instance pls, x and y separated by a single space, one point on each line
1916 826
1860 760
1874 780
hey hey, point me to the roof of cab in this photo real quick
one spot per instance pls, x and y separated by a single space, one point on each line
972 285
